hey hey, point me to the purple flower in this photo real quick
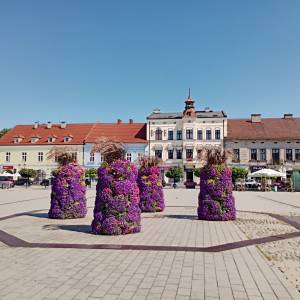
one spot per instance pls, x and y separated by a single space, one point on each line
117 200
68 193
216 201
151 192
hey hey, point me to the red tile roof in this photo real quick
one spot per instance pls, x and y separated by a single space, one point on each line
124 132
267 129
78 131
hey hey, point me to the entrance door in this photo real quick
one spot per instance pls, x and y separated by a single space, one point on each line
189 175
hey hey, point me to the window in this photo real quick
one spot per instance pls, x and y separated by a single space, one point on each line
217 134
67 139
262 154
92 157
189 134
24 156
40 156
170 154
158 153
208 134
179 134
7 157
275 156
170 135
189 154
74 156
158 134
50 139
289 154
179 154
236 155
297 154
34 140
253 154
128 156
199 134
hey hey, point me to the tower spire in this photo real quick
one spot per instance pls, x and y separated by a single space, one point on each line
189 93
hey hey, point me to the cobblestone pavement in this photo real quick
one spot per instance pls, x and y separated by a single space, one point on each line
67 273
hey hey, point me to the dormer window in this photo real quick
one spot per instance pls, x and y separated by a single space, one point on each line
51 139
67 138
18 139
35 138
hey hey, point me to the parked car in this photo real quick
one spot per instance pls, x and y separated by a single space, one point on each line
24 181
251 183
6 182
190 184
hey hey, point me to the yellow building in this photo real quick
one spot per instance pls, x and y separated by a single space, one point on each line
28 146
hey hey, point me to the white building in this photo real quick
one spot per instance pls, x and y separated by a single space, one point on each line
177 138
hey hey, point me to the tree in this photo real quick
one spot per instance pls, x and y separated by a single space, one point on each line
91 173
28 173
197 172
4 131
238 172
175 173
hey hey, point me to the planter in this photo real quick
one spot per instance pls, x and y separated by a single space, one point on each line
117 201
68 199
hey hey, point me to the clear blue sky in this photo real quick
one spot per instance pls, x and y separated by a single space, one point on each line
85 61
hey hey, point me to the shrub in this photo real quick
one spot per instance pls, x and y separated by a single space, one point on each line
216 201
28 173
116 208
68 193
176 173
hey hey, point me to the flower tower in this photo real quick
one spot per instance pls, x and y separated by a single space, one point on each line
68 199
216 201
116 208
150 185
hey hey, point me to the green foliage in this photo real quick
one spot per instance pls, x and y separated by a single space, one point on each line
238 172
4 131
28 173
197 172
175 172
91 173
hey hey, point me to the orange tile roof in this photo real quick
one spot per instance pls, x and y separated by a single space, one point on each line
124 132
267 129
78 131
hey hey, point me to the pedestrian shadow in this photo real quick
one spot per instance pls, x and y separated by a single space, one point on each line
75 228
182 217
38 215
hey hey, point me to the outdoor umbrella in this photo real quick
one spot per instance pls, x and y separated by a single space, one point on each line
267 173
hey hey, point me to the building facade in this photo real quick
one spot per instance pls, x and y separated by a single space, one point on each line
257 142
28 146
131 135
177 138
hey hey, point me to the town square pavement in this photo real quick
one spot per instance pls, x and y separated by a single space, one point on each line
175 256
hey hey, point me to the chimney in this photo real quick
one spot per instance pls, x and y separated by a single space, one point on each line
119 121
63 124
36 125
256 118
130 121
49 125
288 116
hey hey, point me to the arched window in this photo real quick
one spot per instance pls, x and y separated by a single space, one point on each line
158 134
